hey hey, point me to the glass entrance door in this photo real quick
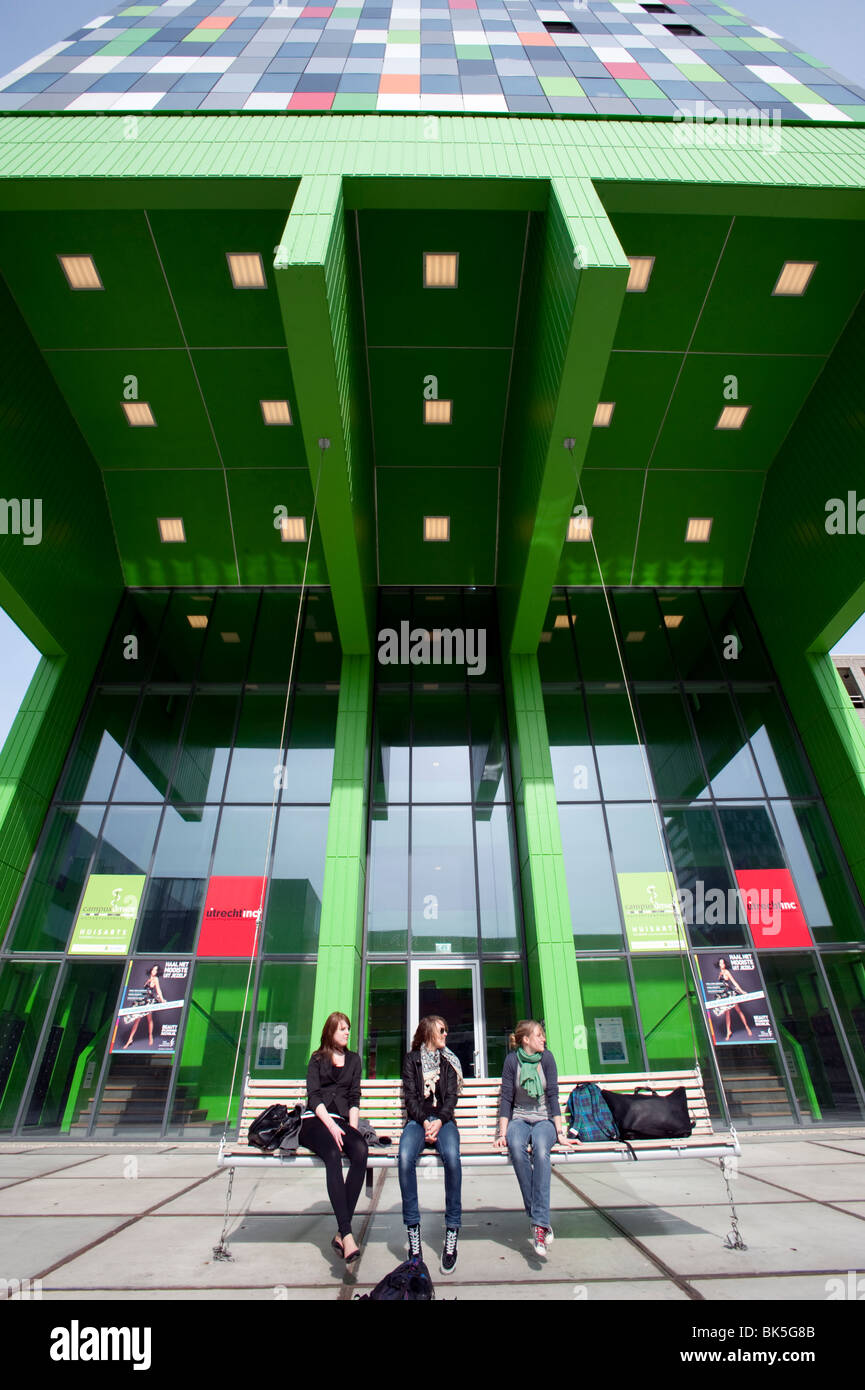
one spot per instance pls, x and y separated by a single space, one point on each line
452 990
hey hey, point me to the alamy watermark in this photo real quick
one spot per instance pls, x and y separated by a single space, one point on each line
440 646
709 127
21 516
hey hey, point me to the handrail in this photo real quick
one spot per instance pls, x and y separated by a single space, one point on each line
804 1074
78 1075
681 1000
232 1042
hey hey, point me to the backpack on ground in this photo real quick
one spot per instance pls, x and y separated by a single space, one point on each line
589 1117
409 1281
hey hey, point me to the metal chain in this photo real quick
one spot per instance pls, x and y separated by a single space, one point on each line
733 1240
221 1251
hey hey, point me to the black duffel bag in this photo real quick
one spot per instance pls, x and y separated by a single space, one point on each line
277 1127
651 1115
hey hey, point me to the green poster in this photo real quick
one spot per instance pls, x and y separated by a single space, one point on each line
651 910
107 915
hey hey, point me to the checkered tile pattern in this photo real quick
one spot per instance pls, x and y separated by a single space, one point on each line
605 57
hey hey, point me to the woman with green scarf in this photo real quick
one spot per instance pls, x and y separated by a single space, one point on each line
530 1122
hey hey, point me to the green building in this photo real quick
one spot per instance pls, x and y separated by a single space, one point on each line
431 445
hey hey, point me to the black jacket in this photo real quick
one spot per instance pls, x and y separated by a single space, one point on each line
336 1088
417 1106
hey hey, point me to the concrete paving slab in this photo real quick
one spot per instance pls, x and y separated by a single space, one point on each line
106 1196
293 1295
35 1164
856 1146
785 1288
495 1189
855 1209
823 1182
164 1252
31 1243
697 1186
171 1163
498 1247
551 1290
779 1237
793 1151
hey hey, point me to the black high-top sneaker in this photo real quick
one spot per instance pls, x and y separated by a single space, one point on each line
414 1245
449 1253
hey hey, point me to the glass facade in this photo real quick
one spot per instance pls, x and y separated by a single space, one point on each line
196 802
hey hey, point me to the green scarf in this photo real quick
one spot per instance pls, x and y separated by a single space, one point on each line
529 1079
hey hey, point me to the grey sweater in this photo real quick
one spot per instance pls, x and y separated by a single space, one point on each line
510 1077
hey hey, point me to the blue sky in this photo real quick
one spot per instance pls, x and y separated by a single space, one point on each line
833 30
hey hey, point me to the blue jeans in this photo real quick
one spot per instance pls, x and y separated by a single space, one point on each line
533 1173
411 1147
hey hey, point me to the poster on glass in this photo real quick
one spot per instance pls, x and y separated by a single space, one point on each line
734 998
151 1006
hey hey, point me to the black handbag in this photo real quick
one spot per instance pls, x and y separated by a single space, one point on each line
277 1127
651 1115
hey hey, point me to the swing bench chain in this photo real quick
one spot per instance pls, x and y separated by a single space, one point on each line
221 1251
733 1240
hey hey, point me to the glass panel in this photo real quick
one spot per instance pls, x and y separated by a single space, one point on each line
320 654
675 763
824 890
146 768
643 636
711 906
387 909
450 994
612 1034
182 640
394 607
274 637
311 743
241 844
297 882
90 773
773 742
49 908
209 1049
488 751
809 1037
68 1074
140 617
570 748
185 843
671 1027
729 616
589 873
443 896
391 755
497 880
200 772
695 648
557 661
229 637
725 752
636 839
127 840
25 990
440 754
176 891
846 971
593 630
751 840
256 756
481 615
623 773
283 1019
504 1006
386 1026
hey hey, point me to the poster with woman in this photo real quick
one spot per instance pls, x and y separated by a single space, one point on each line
154 994
734 998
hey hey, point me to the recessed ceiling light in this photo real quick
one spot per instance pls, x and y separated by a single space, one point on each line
635 636
673 619
231 637
699 528
293 528
81 272
323 636
440 270
641 270
196 619
138 413
276 412
795 277
436 528
247 270
171 528
438 412
580 528
732 417
562 620
603 413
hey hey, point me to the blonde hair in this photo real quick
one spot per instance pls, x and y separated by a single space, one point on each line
521 1032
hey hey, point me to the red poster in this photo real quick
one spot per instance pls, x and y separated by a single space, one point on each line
231 912
775 914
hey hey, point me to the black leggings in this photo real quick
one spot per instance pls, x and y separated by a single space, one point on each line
315 1135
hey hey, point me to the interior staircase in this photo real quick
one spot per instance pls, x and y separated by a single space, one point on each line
135 1094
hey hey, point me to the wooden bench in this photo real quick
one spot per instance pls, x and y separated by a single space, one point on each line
476 1116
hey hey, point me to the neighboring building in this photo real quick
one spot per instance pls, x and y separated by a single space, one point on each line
851 669
431 484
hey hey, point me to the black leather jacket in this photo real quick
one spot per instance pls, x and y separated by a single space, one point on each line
417 1106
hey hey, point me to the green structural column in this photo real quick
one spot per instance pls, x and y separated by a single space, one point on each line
549 934
337 980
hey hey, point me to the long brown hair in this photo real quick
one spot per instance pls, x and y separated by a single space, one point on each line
331 1024
424 1031
522 1030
